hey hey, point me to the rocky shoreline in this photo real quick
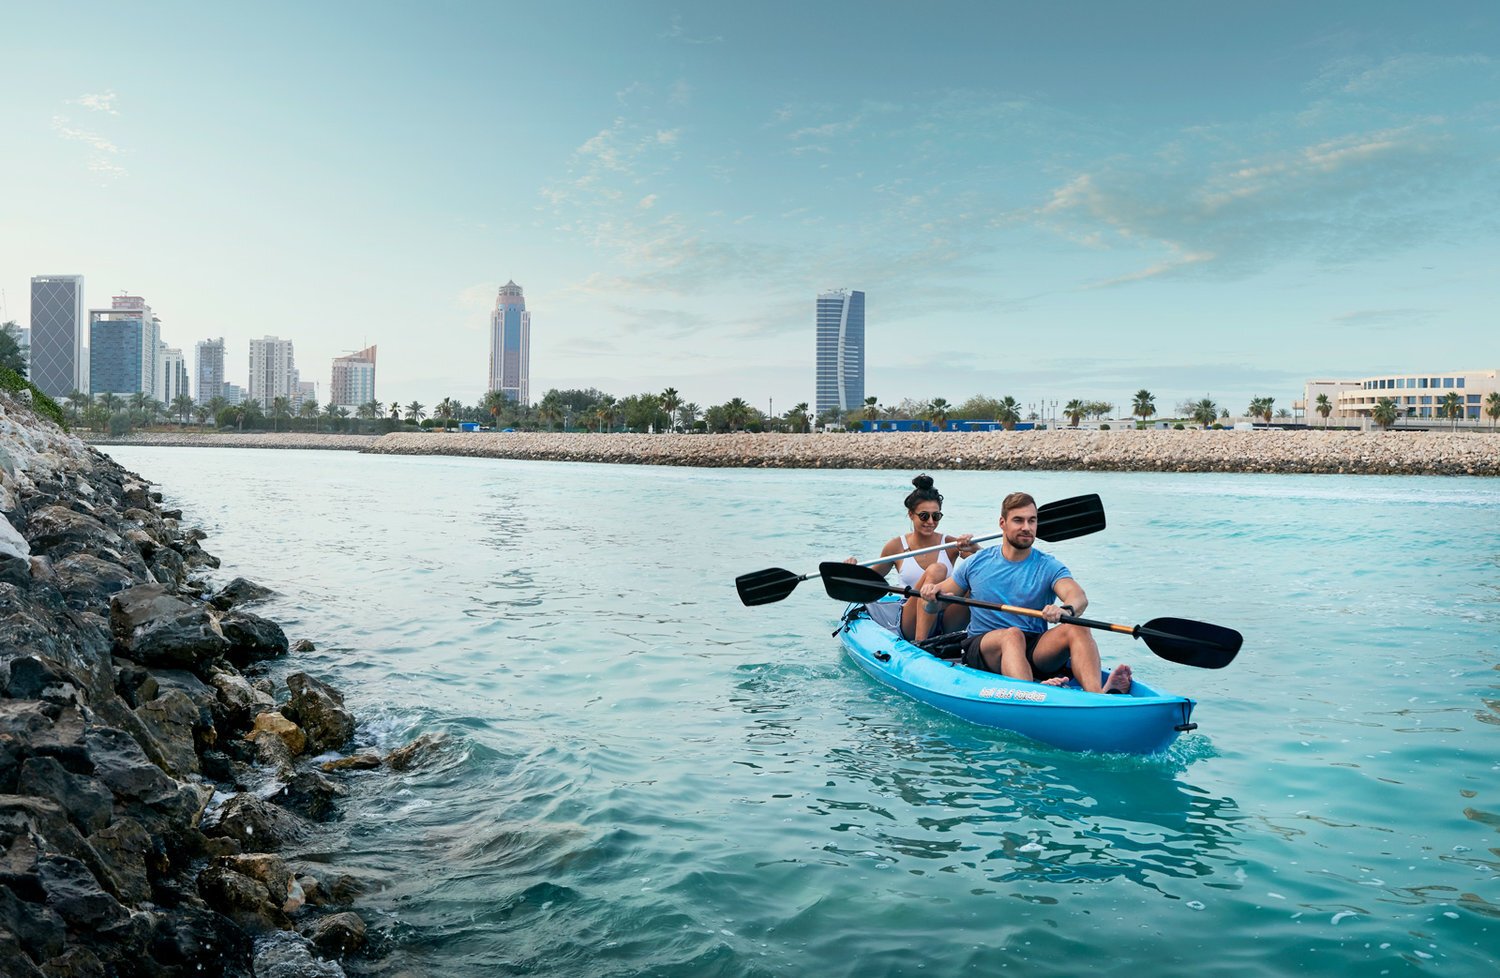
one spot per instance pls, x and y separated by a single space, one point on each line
1363 453
1189 450
239 439
152 771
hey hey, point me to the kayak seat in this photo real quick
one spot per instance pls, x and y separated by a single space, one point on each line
949 645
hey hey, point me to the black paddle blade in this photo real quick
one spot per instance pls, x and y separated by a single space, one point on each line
1191 643
765 587
850 582
1069 518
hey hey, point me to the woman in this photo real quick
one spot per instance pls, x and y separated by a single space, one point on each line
924 507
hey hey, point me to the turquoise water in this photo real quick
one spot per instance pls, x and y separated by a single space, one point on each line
643 777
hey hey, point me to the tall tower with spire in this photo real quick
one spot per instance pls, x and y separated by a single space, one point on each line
510 345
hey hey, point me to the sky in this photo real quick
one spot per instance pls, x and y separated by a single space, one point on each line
1046 201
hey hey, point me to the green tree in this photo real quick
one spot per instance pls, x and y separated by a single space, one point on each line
182 406
872 409
1492 408
1073 411
797 418
978 407
309 412
737 413
605 412
1009 413
447 409
77 401
670 400
1325 408
1205 412
281 409
416 411
395 411
1384 412
688 414
937 412
1260 407
253 413
1144 405
1453 408
11 357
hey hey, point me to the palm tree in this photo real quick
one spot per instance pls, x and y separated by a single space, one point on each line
251 411
605 412
309 412
1325 408
736 412
1009 413
395 411
415 411
937 412
670 399
1384 412
1453 407
1260 407
216 405
687 414
445 410
1073 411
797 418
1205 412
77 401
1492 408
281 407
1144 405
182 406
872 409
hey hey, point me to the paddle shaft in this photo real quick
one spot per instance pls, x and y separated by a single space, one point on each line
922 550
1134 631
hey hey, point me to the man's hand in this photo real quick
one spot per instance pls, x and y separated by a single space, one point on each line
1053 613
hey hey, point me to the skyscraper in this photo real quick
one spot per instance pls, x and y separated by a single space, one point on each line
273 371
510 345
353 381
208 372
123 344
841 350
171 375
57 324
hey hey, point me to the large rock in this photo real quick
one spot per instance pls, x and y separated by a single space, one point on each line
88 805
257 825
172 719
251 638
238 592
238 701
318 709
128 850
157 628
290 956
338 934
245 900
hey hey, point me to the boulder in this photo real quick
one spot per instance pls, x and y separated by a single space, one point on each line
311 794
274 724
239 591
76 895
37 678
319 709
88 804
338 934
171 719
414 753
86 580
245 900
257 825
355 762
251 638
127 849
238 701
194 940
156 628
34 926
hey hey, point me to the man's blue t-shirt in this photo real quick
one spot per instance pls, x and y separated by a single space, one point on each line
1028 583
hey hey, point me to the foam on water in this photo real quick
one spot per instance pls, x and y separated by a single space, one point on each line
637 775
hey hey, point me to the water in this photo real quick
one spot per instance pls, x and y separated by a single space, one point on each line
643 777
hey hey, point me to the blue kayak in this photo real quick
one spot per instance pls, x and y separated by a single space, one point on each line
1140 722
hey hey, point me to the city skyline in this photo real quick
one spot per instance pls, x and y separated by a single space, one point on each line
1070 202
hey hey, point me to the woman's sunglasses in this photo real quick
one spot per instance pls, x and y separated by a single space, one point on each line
928 517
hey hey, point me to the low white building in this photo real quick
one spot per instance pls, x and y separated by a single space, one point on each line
1416 396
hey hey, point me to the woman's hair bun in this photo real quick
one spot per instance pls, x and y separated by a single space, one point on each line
922 482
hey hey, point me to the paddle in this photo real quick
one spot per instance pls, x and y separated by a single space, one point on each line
1060 520
1190 643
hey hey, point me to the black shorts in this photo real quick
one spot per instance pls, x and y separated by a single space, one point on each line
974 660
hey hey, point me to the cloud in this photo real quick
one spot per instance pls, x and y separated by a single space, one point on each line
647 202
676 32
102 150
102 102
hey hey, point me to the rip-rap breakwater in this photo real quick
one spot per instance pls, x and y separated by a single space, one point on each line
1349 452
157 775
1189 450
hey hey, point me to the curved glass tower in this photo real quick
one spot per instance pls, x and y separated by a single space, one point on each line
841 350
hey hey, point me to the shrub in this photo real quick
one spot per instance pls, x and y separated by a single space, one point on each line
119 424
28 392
1177 426
1218 427
1104 427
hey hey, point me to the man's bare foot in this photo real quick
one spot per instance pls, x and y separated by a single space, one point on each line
1056 681
1119 680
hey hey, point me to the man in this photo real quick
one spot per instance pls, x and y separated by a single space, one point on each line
1019 646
